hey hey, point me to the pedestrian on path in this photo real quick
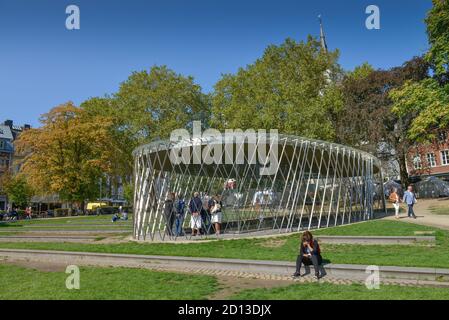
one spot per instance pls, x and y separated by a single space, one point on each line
394 198
180 207
28 213
410 200
217 215
195 208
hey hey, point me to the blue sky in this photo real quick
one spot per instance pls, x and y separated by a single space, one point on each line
42 64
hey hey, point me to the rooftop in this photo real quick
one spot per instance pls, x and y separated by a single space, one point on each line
5 132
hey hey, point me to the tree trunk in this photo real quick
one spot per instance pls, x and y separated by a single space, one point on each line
403 169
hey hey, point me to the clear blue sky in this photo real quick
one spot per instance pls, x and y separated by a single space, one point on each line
42 64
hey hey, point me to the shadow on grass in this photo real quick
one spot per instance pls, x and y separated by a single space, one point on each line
6 224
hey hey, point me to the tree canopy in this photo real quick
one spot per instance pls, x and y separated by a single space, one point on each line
17 189
437 30
367 120
152 104
288 89
68 154
427 101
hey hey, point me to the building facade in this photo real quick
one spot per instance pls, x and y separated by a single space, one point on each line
6 155
8 134
430 160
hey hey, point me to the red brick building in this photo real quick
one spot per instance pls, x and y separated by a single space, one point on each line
431 159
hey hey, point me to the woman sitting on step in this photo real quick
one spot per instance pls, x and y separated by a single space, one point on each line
309 254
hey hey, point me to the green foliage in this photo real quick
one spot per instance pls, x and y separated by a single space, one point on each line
288 89
18 191
149 105
360 72
152 104
104 284
428 103
438 33
328 291
367 121
128 192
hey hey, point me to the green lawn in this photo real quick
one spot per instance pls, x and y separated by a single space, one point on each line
75 228
326 291
439 210
285 247
102 219
103 283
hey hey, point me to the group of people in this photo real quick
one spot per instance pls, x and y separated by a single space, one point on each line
409 199
13 214
122 214
206 214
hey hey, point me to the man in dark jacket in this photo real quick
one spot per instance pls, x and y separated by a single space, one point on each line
195 208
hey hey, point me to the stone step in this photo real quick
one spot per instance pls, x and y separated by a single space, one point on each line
278 268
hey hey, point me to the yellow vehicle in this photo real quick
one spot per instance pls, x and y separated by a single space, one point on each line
92 206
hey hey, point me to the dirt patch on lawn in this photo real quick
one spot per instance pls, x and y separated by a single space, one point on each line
273 243
37 265
229 286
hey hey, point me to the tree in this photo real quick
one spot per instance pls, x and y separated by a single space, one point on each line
367 120
289 88
68 154
17 189
427 103
128 192
437 31
122 142
150 105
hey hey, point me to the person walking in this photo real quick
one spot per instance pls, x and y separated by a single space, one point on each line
195 208
410 200
394 198
180 206
216 214
309 254
28 213
124 214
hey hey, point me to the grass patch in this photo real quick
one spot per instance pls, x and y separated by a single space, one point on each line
439 210
286 247
103 283
327 291
375 228
69 228
102 219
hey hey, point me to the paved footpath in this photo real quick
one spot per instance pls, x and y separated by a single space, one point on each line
424 214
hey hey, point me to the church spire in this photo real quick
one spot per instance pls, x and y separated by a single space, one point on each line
322 36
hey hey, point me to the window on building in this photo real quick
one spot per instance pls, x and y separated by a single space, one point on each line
417 163
2 144
431 160
445 157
